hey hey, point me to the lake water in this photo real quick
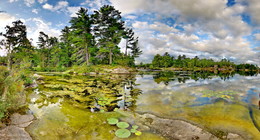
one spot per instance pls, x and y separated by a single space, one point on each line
77 107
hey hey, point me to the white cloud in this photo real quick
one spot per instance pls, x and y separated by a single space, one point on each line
131 17
177 43
73 11
254 9
47 6
94 4
42 1
36 25
29 3
11 1
211 29
257 36
35 11
5 19
61 5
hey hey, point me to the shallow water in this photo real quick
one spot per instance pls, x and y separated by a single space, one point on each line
77 107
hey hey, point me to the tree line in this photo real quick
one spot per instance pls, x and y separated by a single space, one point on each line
90 39
166 60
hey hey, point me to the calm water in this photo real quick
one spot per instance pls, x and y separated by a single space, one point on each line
77 107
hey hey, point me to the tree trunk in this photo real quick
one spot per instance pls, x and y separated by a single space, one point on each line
9 62
4 92
9 57
110 56
126 47
87 56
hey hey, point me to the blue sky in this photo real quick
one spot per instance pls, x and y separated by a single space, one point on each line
211 29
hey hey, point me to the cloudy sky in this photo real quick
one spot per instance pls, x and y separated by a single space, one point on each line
206 28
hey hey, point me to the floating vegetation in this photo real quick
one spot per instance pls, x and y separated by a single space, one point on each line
123 132
99 94
122 125
112 121
226 94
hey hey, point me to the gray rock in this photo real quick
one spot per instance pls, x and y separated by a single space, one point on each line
176 129
21 120
14 133
232 136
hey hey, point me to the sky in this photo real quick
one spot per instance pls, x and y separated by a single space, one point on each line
206 28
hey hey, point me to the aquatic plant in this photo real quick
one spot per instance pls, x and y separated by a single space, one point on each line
226 94
123 132
112 121
122 125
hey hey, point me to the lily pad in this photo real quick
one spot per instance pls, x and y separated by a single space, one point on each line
112 121
138 133
122 125
135 126
133 130
123 133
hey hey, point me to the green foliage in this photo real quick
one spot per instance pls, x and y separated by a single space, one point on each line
3 109
123 133
249 67
182 61
91 39
11 88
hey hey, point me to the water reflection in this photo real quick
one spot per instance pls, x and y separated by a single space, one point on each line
225 102
183 76
220 102
93 93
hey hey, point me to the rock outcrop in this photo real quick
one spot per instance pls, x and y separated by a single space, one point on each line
16 129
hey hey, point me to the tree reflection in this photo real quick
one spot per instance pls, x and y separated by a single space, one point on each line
182 76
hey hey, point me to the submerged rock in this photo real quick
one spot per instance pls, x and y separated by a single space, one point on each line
177 129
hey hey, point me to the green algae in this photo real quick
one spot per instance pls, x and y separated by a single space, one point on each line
219 117
63 108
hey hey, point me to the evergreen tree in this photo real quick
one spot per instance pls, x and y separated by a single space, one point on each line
83 38
109 29
16 43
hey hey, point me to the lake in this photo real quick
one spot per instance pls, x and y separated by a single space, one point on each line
78 107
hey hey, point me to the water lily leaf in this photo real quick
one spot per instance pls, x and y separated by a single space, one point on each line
122 125
133 130
138 133
123 133
134 126
112 121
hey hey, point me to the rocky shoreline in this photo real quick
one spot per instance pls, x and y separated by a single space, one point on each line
16 129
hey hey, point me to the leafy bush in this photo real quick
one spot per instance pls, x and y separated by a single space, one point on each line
11 89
